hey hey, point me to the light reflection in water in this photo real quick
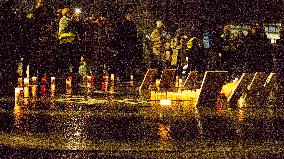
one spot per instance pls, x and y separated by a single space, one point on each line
33 99
17 115
74 132
164 135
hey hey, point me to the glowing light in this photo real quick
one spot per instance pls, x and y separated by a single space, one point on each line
69 87
34 80
78 10
112 77
241 102
229 88
165 102
26 88
52 87
17 94
20 82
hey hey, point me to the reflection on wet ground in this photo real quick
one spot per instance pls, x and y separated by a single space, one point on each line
130 126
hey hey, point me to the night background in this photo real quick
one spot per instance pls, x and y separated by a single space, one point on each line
185 13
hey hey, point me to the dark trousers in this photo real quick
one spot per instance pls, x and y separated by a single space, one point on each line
69 58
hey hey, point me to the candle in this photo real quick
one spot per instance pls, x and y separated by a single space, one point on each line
34 91
26 88
180 83
89 81
105 83
112 77
153 95
158 81
69 87
52 90
34 87
52 81
20 82
17 94
26 82
33 80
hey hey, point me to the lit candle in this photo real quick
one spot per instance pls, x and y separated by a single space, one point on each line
131 78
112 77
33 93
69 87
33 81
180 83
111 89
17 94
153 95
89 81
26 87
52 81
20 82
105 83
158 81
26 82
177 82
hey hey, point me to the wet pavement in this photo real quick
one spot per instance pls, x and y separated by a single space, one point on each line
126 126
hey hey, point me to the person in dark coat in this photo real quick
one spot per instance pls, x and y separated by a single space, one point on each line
126 38
9 25
258 52
43 39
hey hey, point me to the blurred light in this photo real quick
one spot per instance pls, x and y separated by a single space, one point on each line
78 10
165 102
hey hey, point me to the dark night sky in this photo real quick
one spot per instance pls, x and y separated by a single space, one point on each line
178 11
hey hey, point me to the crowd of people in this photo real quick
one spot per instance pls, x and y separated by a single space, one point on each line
218 48
54 42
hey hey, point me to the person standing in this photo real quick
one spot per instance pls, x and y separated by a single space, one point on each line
8 45
157 39
42 42
68 58
126 38
177 45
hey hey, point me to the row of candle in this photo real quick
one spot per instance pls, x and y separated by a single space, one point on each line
180 95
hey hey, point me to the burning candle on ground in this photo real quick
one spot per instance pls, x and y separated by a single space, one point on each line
52 87
26 88
69 87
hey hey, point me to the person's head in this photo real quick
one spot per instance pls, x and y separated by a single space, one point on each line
129 13
65 11
258 24
254 30
227 29
129 16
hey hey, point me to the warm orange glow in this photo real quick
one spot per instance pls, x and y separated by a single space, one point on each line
180 95
112 77
164 133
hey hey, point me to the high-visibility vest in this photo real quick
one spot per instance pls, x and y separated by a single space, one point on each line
190 42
